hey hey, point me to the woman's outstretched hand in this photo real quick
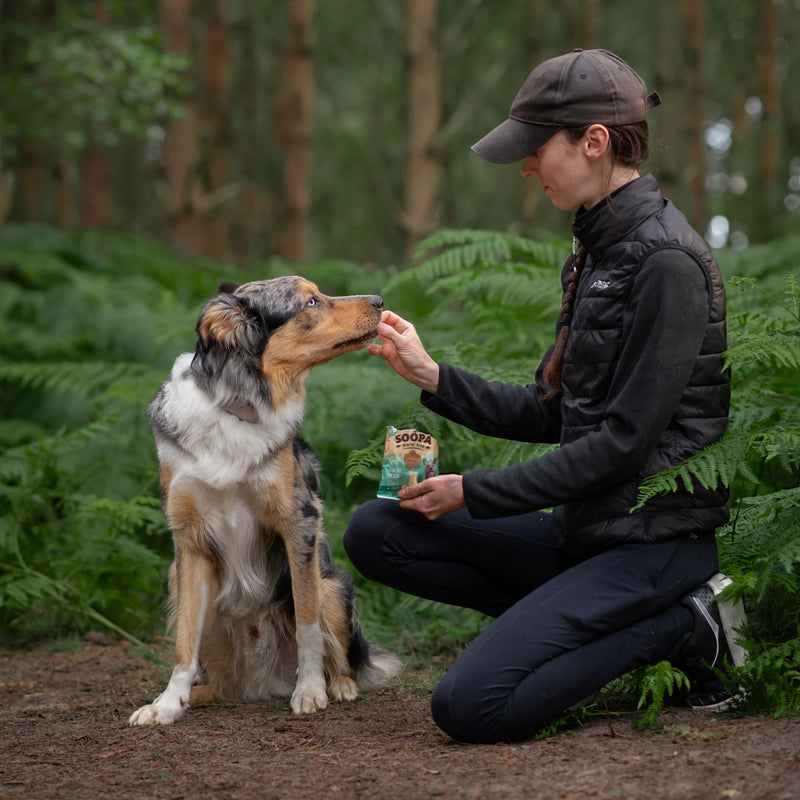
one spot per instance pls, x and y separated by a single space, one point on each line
434 497
401 346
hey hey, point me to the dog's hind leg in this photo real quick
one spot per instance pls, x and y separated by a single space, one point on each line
194 590
201 695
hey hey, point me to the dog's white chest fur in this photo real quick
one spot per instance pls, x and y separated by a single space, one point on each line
222 449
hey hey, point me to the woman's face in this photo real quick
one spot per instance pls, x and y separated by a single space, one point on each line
566 173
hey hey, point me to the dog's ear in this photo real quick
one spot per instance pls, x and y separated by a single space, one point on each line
226 321
227 287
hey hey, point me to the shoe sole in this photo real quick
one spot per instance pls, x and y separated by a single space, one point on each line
733 618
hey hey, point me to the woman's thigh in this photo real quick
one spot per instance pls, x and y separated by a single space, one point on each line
487 565
589 624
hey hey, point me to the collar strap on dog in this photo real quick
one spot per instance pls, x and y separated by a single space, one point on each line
246 413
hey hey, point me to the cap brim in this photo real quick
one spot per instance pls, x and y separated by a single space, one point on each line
513 140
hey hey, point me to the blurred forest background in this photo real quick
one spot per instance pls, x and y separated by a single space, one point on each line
152 148
243 129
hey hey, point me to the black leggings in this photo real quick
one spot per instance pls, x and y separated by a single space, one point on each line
563 629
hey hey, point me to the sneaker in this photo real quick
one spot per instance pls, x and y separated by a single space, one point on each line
712 644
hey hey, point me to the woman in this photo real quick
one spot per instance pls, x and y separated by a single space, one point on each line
634 383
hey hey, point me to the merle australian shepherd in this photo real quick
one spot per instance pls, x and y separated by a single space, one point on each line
258 607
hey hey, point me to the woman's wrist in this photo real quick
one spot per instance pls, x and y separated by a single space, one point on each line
428 380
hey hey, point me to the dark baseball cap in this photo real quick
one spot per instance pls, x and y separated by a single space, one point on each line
580 88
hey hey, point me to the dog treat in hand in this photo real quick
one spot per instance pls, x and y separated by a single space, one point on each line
409 457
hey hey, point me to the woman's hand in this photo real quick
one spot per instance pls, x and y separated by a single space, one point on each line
402 348
434 497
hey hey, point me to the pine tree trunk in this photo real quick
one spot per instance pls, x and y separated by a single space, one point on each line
695 110
96 190
96 193
183 191
424 117
216 152
667 121
65 180
31 173
294 98
769 91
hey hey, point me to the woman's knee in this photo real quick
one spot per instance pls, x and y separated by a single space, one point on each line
363 537
457 711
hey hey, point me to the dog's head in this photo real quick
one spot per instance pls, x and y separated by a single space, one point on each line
278 330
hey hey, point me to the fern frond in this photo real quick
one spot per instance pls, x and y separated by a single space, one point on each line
451 252
126 516
718 463
773 347
359 461
80 377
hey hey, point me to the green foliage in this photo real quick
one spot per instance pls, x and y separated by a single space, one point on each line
759 458
495 300
654 685
90 324
76 84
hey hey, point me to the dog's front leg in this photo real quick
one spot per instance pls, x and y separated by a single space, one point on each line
309 693
194 585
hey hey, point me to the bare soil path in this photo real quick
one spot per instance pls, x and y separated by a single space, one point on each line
63 735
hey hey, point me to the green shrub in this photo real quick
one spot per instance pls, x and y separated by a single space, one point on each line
91 322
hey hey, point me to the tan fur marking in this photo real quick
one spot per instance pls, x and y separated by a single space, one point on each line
164 480
191 569
219 321
334 621
305 588
279 504
183 517
194 570
297 347
201 695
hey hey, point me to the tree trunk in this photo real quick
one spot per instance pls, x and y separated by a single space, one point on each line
96 191
183 195
669 123
65 180
695 110
294 99
769 92
216 59
424 117
31 173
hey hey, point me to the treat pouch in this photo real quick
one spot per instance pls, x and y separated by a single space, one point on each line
409 456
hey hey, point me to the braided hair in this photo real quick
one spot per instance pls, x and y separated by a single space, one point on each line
552 371
629 147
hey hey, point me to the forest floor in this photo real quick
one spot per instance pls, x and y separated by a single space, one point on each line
64 734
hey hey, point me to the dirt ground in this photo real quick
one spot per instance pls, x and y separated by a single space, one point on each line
63 734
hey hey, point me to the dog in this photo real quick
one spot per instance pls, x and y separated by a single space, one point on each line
257 605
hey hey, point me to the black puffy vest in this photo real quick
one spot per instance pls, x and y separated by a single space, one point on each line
636 223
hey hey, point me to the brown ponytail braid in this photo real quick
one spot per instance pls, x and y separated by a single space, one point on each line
552 372
629 147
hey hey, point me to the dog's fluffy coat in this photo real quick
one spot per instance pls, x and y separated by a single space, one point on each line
257 604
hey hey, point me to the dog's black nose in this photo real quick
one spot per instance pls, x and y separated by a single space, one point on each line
377 302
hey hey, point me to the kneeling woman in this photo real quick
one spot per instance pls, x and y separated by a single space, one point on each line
633 384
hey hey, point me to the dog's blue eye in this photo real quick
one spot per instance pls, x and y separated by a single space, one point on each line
312 301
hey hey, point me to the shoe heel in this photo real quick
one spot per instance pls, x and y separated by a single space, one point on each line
733 617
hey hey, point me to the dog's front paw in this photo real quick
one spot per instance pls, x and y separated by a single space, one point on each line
155 714
309 696
342 688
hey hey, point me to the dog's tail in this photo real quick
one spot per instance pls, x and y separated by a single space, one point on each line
374 666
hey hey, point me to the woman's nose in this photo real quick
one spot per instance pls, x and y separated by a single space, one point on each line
528 165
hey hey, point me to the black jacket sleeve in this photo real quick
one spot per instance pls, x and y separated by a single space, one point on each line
494 408
663 327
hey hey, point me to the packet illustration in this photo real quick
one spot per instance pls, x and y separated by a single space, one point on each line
409 456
